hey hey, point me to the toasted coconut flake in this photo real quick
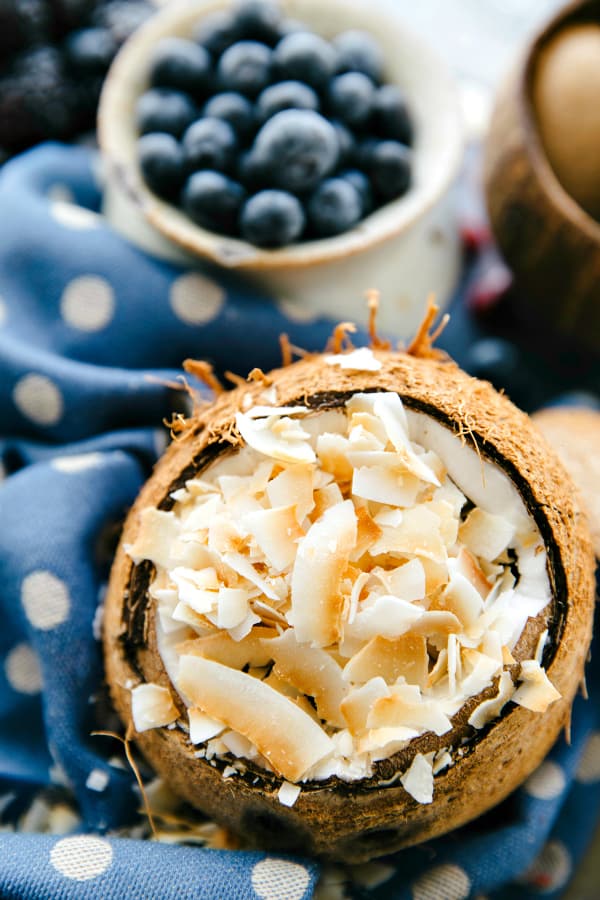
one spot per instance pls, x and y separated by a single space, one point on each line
486 535
283 733
157 535
388 407
382 742
407 581
417 535
293 487
232 608
536 691
405 656
361 360
312 671
384 485
326 497
220 647
462 599
490 709
288 793
387 616
357 705
322 557
152 707
466 565
418 780
332 452
480 671
276 531
202 727
286 446
405 707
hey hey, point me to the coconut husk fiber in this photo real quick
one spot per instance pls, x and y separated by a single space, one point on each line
355 821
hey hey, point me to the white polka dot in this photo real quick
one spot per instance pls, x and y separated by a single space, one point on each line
78 462
22 668
447 882
296 311
3 311
588 769
547 782
550 871
72 216
61 193
45 599
278 879
82 857
196 299
88 303
38 399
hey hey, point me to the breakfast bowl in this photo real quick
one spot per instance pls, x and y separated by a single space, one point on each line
542 177
406 249
352 605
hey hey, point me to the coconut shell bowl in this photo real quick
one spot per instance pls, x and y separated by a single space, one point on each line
542 176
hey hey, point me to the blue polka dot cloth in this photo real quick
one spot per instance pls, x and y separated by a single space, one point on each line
92 335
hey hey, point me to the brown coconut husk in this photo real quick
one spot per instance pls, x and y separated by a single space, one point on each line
359 820
575 435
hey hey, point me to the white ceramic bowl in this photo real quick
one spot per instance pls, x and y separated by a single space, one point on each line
407 249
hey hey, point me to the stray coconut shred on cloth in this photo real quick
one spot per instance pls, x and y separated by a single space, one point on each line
92 334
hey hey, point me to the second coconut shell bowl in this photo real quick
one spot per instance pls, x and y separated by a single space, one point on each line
551 243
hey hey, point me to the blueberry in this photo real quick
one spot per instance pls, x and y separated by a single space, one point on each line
334 207
347 144
245 67
390 169
258 20
234 109
90 50
252 171
298 147
213 201
121 17
391 118
163 110
351 98
303 56
161 161
362 185
217 32
209 144
182 66
285 95
272 219
357 51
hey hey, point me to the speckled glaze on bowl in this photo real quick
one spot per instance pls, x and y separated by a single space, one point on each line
407 249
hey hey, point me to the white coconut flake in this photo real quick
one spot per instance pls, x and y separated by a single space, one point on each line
203 727
360 360
288 793
418 780
320 601
536 691
152 707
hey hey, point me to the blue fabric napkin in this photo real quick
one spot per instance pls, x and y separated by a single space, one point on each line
92 334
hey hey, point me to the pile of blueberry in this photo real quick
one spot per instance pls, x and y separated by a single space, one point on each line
258 128
54 55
